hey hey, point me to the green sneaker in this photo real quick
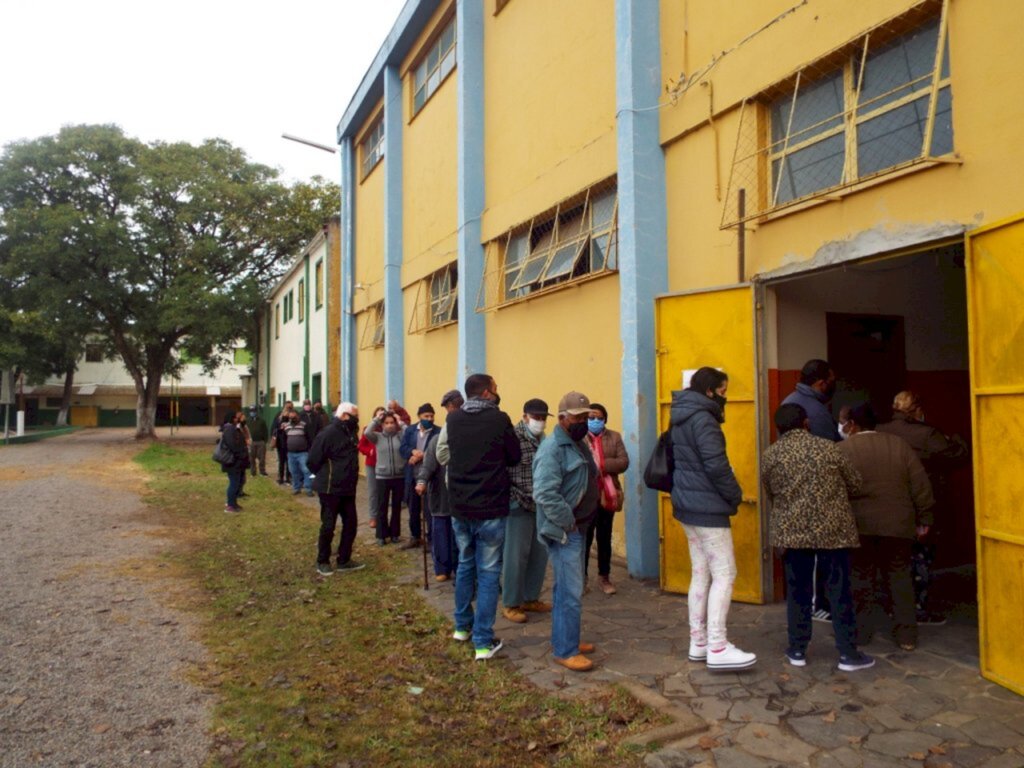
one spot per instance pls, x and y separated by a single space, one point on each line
488 651
324 569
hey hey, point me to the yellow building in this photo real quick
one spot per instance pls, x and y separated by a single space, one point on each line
604 194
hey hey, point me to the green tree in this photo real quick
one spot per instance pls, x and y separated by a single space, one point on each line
163 245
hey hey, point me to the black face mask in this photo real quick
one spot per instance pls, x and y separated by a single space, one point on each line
577 431
352 423
721 403
497 398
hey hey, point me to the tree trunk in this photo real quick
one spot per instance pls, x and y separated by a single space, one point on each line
65 398
145 412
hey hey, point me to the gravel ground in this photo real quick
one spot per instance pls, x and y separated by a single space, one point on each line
94 660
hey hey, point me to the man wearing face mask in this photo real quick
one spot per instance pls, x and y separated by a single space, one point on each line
813 393
414 443
334 459
482 444
566 493
298 438
525 558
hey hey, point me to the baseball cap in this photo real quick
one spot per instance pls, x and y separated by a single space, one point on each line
536 407
574 403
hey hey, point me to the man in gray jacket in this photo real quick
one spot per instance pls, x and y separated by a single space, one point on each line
565 491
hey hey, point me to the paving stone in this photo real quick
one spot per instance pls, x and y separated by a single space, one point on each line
677 685
945 732
730 757
767 687
844 757
900 743
771 743
954 719
1016 723
919 706
735 693
668 758
1008 759
755 711
833 694
710 708
982 706
889 718
967 756
998 692
880 761
701 675
829 735
992 733
884 691
643 663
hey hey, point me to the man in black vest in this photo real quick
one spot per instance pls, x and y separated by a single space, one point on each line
482 444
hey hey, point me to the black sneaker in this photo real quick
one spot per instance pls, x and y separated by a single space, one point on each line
488 651
324 569
851 662
796 658
351 565
822 615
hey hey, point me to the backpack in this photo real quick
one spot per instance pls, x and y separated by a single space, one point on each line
661 464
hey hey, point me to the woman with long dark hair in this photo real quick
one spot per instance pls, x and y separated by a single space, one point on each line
705 495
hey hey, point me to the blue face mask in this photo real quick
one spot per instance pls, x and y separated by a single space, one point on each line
596 426
426 424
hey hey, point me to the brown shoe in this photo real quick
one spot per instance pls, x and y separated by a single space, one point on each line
606 586
536 606
587 647
575 663
514 613
412 544
441 577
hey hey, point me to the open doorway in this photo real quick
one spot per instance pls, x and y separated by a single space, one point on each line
887 325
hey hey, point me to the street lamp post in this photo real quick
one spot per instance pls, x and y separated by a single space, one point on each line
309 143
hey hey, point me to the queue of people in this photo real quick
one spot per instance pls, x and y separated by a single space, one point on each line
499 502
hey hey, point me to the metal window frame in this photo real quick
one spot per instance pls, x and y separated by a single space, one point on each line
854 114
421 66
511 287
372 336
302 299
318 284
425 317
371 148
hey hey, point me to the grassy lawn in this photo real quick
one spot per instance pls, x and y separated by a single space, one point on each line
352 670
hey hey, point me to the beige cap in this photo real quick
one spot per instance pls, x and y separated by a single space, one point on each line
574 404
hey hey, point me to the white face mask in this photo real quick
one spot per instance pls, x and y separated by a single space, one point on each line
843 434
535 426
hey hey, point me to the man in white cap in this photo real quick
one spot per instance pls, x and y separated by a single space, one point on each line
566 492
334 461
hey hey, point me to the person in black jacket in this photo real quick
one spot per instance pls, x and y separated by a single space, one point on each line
705 495
234 440
334 461
482 445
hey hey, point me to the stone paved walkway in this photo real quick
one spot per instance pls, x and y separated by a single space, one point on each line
929 707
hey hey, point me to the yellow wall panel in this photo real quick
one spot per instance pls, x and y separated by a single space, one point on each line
430 362
369 236
550 106
430 184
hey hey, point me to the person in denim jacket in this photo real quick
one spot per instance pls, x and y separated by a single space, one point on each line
565 491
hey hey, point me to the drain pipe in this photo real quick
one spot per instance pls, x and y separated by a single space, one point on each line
741 207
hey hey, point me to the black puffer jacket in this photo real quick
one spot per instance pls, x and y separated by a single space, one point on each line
704 489
483 445
234 441
334 458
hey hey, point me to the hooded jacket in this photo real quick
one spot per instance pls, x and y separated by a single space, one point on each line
704 489
482 444
334 459
390 463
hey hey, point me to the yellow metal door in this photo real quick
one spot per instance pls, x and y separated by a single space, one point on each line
714 328
995 297
84 416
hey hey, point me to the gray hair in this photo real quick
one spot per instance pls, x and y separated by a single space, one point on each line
345 407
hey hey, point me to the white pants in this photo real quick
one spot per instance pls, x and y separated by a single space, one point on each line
713 573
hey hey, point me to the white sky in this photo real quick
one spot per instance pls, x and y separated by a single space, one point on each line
188 70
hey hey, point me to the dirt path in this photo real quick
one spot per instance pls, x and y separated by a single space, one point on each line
94 660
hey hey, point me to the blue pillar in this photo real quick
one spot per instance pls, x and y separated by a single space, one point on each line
347 373
394 325
643 260
469 72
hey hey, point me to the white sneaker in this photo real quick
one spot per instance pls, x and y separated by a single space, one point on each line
730 658
698 652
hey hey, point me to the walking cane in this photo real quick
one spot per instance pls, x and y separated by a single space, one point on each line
426 583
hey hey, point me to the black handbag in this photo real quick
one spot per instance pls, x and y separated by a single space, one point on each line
222 454
661 465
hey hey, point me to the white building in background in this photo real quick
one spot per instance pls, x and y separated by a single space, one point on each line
298 351
104 393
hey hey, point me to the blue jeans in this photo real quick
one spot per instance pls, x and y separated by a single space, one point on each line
800 581
235 475
480 546
566 614
300 472
442 545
